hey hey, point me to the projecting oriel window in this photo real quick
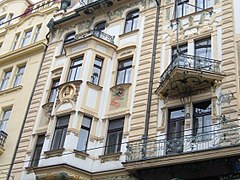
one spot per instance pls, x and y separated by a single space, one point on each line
131 21
75 69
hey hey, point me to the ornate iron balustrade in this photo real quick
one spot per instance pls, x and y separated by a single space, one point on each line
3 137
98 34
191 62
220 135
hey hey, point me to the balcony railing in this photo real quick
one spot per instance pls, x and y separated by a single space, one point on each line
191 62
98 34
3 137
160 146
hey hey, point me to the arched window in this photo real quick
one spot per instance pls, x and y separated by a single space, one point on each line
100 26
131 21
70 37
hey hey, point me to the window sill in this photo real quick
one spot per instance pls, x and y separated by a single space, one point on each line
53 153
110 157
128 33
94 86
9 90
191 14
80 154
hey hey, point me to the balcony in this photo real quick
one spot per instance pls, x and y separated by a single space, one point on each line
3 137
220 136
99 34
186 74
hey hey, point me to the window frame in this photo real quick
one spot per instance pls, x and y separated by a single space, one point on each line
119 69
204 3
5 79
54 89
35 159
4 120
63 129
131 18
88 129
26 40
182 5
19 75
96 27
78 68
37 32
2 20
66 40
98 68
119 132
15 41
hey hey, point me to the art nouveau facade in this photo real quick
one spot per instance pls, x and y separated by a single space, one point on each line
22 45
132 90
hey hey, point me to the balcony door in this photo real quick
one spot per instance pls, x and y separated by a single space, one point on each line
175 134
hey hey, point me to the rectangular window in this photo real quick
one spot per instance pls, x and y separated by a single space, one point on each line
183 49
175 133
114 136
75 69
60 132
124 71
182 8
37 151
203 48
203 4
84 134
202 120
5 118
97 68
54 90
131 21
37 33
2 20
5 80
15 41
26 38
19 76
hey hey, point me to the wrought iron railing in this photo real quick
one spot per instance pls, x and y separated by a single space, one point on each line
98 34
218 136
191 62
3 137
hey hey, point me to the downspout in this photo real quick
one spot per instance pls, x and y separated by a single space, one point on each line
28 107
150 87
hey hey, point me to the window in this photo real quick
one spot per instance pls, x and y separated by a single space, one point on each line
60 132
75 68
182 48
37 33
203 48
54 89
97 68
10 18
182 8
114 136
2 20
84 133
203 4
100 26
124 71
37 151
175 133
15 41
19 76
131 21
202 120
5 118
26 38
5 80
70 37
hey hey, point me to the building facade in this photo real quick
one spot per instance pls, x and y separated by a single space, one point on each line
22 45
136 90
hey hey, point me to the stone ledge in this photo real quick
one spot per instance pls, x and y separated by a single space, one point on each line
53 153
80 154
110 157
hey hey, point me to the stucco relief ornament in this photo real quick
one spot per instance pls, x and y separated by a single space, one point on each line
67 93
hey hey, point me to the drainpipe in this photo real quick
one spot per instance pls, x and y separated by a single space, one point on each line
26 113
150 87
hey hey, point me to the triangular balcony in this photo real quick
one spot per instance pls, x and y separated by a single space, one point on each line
187 74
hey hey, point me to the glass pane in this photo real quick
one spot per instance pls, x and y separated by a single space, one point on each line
83 139
36 157
128 75
180 113
98 62
208 3
53 95
135 23
115 124
6 114
120 77
56 139
128 26
86 121
69 37
77 62
100 26
71 75
64 133
4 84
111 144
62 121
95 75
77 77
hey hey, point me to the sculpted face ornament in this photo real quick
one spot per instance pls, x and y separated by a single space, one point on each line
67 92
